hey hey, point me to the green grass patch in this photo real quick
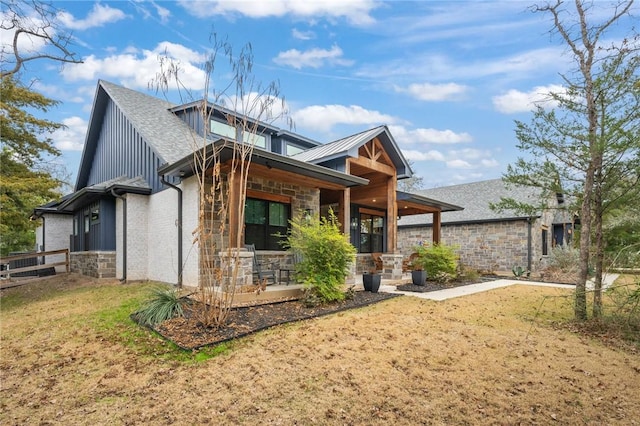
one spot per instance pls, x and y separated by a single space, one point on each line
115 324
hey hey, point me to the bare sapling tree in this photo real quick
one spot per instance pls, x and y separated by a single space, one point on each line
221 163
588 140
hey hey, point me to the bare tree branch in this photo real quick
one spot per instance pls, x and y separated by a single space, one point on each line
36 21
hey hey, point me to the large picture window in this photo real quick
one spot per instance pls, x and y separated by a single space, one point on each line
263 219
371 233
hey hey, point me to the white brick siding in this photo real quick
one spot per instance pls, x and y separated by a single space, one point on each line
162 235
57 229
190 251
137 237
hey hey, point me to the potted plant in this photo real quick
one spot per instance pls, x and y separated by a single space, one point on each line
371 281
439 261
418 266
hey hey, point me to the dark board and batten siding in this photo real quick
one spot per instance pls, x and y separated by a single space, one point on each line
121 151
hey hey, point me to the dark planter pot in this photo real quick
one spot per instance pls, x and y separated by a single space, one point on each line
371 282
419 277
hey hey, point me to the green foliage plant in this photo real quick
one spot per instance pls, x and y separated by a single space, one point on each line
326 255
163 303
518 271
439 260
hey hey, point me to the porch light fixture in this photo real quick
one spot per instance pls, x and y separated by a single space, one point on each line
354 223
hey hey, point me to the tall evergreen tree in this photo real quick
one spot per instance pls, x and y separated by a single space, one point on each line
588 143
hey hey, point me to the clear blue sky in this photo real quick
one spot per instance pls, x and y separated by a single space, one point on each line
448 78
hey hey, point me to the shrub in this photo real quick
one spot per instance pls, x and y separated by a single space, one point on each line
163 303
439 260
564 258
325 255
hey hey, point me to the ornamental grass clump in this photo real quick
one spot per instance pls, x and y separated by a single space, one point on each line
326 255
163 304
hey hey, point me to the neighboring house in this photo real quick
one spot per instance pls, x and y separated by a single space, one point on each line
136 202
488 240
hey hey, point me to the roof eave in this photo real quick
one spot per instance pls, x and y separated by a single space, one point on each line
444 207
184 167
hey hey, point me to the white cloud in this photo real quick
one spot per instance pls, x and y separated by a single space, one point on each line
442 67
97 17
324 117
489 162
163 13
515 101
356 12
72 137
425 136
302 35
137 67
459 164
432 155
313 58
434 92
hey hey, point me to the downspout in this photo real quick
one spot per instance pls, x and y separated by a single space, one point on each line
124 234
170 185
529 242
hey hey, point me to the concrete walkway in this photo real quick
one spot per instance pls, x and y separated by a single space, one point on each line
450 293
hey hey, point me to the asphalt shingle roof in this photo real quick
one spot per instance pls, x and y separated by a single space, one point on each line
475 198
169 136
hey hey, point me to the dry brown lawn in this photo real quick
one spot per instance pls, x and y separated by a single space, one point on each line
71 356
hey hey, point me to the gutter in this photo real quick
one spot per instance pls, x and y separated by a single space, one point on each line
170 185
124 234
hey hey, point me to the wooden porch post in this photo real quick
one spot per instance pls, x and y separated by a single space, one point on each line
436 227
392 214
235 180
344 205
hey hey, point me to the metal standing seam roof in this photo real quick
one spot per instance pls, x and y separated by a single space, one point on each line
475 198
341 147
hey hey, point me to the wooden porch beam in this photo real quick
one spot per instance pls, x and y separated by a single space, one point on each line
373 165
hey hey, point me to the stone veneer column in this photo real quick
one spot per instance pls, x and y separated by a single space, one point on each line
351 275
392 266
245 266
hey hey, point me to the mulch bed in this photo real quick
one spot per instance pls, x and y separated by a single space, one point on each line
186 333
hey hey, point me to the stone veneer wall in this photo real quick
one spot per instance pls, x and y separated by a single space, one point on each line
97 264
486 247
364 263
302 198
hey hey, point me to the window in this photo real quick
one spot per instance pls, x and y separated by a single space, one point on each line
545 242
95 215
86 223
292 149
75 226
371 233
257 140
223 129
229 132
263 219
